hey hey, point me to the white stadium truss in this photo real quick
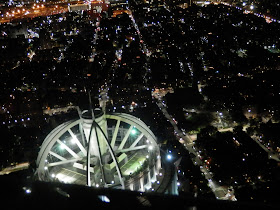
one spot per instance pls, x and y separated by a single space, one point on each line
114 150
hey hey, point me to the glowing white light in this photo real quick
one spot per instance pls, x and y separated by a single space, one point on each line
169 157
104 198
64 178
28 191
62 147
73 140
133 131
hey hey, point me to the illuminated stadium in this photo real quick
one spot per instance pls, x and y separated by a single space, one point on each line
102 150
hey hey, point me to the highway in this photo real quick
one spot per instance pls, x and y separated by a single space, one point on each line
33 10
249 10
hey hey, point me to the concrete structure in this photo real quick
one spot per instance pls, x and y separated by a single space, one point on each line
102 150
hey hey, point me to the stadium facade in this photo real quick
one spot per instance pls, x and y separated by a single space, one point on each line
105 150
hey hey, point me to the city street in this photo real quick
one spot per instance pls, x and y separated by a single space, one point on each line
271 154
221 192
